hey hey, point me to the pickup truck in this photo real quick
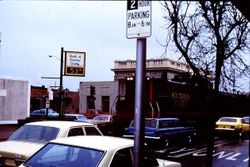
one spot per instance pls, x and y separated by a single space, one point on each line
160 133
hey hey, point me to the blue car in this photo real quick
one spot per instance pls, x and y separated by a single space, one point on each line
160 133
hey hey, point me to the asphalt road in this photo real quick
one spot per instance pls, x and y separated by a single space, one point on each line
227 153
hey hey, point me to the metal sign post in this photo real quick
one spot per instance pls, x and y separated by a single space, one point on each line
61 84
139 26
139 102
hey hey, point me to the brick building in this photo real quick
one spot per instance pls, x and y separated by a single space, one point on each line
39 95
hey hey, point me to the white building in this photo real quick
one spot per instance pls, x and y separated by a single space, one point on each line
105 96
14 99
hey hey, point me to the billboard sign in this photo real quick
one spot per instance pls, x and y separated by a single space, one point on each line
75 63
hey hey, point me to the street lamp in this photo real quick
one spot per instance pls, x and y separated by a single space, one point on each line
55 57
61 81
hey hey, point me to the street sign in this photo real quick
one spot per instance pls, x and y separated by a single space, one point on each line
138 19
75 63
47 103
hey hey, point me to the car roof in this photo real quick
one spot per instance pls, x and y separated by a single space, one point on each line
60 124
96 142
232 117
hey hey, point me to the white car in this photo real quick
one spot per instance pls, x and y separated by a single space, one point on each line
92 151
32 136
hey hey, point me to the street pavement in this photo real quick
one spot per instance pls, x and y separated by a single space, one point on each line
227 153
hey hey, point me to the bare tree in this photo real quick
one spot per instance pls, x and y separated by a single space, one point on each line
211 36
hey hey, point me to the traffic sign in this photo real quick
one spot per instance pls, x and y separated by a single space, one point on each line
138 19
74 63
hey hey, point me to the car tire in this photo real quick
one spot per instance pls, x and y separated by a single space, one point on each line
239 134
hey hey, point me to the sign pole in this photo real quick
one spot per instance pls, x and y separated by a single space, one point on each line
139 102
139 26
61 84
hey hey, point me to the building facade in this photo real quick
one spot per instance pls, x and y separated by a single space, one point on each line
107 94
104 97
14 98
156 69
40 94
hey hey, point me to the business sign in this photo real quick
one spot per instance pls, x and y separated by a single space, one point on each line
75 63
138 19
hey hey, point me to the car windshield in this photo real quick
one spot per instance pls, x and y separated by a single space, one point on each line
101 118
65 156
81 117
228 120
35 133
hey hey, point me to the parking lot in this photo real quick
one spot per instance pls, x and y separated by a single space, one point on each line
227 152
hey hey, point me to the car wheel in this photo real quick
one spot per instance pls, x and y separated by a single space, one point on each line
239 134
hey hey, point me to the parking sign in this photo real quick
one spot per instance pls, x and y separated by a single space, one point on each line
138 19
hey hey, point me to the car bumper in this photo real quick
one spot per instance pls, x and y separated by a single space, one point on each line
226 132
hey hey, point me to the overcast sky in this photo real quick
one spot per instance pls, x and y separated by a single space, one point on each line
30 31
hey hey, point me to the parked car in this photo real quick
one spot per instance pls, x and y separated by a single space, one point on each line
32 136
77 117
104 122
160 133
92 151
102 118
236 126
42 113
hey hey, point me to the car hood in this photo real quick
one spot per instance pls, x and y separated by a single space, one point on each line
19 149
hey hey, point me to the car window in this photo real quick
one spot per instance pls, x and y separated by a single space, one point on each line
101 118
91 131
151 123
228 120
65 156
76 132
35 132
246 120
122 158
168 123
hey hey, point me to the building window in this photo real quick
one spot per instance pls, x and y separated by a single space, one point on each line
105 104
